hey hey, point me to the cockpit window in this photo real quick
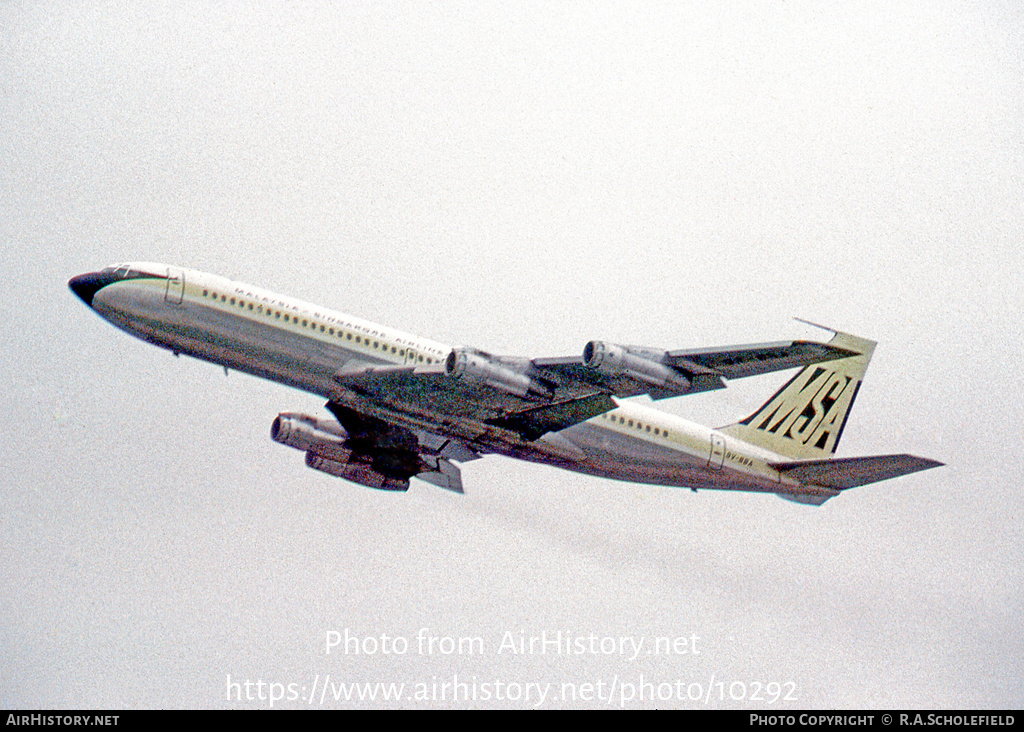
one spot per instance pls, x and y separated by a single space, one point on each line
134 271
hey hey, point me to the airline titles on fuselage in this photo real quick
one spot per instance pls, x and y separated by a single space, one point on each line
329 324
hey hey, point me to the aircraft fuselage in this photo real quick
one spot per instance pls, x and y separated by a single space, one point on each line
305 346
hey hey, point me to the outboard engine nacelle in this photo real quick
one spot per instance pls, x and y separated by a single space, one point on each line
304 432
357 472
647 367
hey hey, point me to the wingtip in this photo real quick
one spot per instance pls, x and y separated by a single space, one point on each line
816 325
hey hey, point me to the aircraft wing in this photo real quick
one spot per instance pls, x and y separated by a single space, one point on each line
738 362
664 374
475 391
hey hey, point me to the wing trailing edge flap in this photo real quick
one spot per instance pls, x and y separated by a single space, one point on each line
809 500
446 476
532 423
841 473
446 447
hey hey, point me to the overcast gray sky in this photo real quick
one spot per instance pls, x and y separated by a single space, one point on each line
523 179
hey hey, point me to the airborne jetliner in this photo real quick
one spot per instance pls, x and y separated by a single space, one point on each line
409 407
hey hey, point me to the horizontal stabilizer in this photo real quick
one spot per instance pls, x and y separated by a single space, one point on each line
840 473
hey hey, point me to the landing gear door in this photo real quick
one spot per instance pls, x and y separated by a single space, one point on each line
175 291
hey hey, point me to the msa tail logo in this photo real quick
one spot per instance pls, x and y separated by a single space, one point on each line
810 410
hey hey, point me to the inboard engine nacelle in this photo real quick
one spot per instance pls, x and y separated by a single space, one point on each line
648 366
476 365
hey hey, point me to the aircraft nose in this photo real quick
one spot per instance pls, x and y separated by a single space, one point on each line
87 285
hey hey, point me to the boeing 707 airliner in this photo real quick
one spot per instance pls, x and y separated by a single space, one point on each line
406 407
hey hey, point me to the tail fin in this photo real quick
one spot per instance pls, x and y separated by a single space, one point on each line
805 418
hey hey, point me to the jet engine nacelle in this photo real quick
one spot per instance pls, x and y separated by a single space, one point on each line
611 359
478 366
304 432
355 471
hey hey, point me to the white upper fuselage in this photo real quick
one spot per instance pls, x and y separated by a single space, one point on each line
305 346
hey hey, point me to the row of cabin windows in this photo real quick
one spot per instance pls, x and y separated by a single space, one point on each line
243 304
638 425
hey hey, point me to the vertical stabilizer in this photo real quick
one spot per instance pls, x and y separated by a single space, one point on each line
805 419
